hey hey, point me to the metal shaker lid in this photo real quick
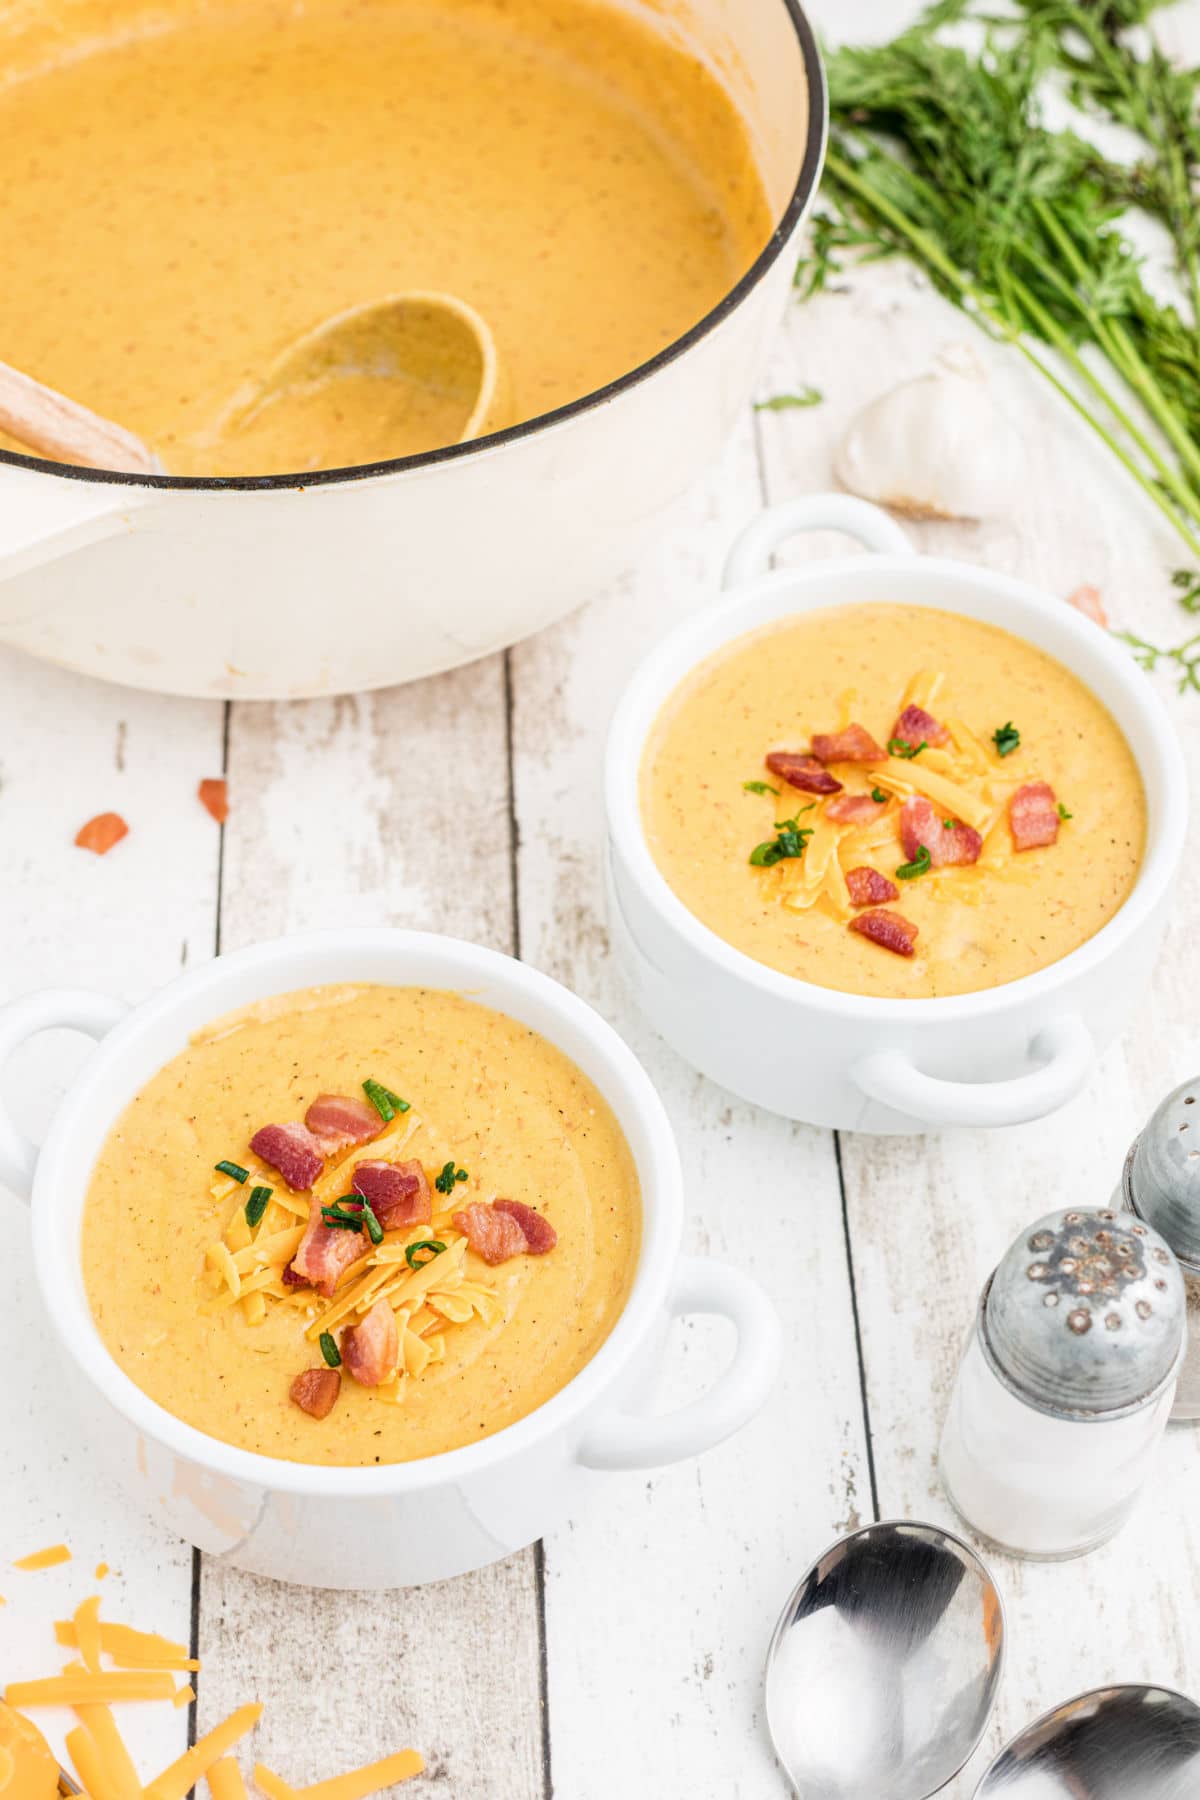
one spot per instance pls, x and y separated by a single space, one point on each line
1163 1174
1085 1314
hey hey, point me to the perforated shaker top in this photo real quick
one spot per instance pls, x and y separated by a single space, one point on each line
1086 1312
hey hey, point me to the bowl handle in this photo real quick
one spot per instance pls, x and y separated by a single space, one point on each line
50 1009
630 1441
756 545
1064 1047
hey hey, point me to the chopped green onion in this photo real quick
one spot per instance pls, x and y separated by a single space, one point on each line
433 1246
345 1221
791 841
920 862
806 396
950 824
234 1170
760 787
1006 739
386 1104
329 1350
878 795
449 1175
902 747
374 1228
1063 813
256 1205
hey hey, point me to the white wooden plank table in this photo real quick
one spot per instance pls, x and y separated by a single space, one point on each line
625 1651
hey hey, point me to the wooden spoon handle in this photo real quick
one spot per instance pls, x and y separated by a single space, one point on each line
60 428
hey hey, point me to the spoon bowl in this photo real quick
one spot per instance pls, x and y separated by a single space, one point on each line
883 1669
394 377
1117 1743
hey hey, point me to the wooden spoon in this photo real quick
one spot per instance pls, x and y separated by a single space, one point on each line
62 429
406 373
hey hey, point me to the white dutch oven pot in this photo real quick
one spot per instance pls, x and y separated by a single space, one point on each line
422 1520
847 1061
356 578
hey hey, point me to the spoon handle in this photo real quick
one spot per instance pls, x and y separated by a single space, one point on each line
49 422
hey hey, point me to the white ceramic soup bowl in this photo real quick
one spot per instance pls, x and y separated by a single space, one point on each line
421 1520
999 1057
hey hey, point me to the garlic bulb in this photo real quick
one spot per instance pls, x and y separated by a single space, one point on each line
937 447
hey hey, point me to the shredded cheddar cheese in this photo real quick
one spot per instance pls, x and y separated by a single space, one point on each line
225 1781
181 1776
357 1784
87 1632
906 775
81 1688
44 1559
102 1727
130 1649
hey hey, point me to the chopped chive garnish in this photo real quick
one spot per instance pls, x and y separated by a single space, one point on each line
791 841
1063 813
878 795
413 1257
234 1170
374 1228
337 1215
386 1104
329 1350
760 787
256 1205
902 747
950 824
920 862
1006 739
449 1175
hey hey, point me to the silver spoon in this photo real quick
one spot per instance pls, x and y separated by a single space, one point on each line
884 1666
1117 1743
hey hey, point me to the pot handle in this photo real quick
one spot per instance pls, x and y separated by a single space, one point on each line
1064 1047
45 516
753 549
700 1285
50 1009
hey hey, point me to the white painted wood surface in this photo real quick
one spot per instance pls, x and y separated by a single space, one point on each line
626 1652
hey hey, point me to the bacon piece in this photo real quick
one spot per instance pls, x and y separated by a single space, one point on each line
854 744
214 798
803 772
1033 816
291 1279
540 1234
869 888
493 1235
371 1350
398 1193
853 809
888 929
1087 600
325 1253
292 1150
916 726
338 1120
101 833
315 1391
949 846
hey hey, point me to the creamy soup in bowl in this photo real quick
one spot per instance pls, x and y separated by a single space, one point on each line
417 1306
891 837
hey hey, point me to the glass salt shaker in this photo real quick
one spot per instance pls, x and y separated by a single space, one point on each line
1065 1385
1161 1184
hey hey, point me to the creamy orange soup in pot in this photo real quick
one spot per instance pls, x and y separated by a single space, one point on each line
190 185
893 801
361 1225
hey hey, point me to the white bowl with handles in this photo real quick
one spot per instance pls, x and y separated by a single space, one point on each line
850 1061
441 1515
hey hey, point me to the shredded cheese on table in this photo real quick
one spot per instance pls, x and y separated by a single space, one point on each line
130 1649
357 1784
225 1781
44 1559
182 1775
82 1687
123 1777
